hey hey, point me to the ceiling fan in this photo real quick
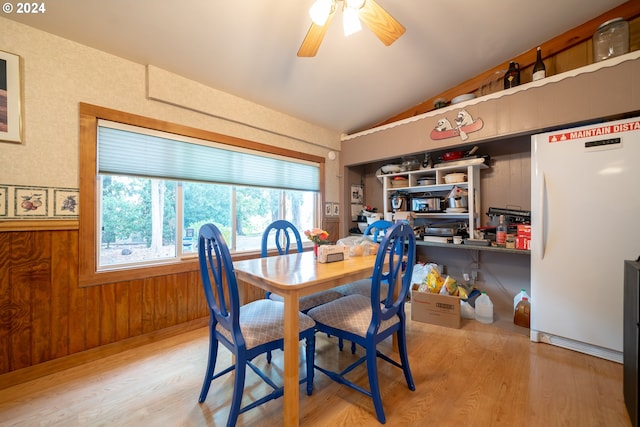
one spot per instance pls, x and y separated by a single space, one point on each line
378 20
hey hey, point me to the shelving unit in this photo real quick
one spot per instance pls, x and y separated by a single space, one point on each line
474 248
470 167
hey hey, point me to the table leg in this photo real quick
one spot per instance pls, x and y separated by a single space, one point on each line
291 358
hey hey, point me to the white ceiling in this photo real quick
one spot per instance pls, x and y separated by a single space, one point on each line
248 47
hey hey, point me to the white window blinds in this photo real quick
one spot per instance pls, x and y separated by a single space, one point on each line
126 150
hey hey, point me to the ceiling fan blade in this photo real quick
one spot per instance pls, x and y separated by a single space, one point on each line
383 25
312 40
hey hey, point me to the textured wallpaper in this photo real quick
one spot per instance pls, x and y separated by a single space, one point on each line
57 74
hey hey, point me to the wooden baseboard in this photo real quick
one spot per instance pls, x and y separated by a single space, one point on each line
43 369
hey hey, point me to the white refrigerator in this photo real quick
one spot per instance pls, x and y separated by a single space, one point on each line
585 217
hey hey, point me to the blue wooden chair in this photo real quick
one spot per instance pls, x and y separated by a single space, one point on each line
284 233
374 231
247 331
367 321
377 229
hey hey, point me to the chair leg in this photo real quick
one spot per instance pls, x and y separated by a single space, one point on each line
268 296
238 388
341 346
211 365
311 351
374 384
404 359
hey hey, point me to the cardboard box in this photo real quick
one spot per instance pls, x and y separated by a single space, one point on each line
442 310
523 243
524 231
523 238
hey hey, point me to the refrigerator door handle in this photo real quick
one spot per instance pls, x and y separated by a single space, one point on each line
542 238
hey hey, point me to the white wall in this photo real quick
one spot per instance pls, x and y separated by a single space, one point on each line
57 74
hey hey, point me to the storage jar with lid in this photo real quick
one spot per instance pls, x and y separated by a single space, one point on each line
611 39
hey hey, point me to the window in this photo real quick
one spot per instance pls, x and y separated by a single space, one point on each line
155 189
139 217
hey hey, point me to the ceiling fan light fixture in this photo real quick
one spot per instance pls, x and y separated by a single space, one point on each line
320 11
355 4
355 13
350 21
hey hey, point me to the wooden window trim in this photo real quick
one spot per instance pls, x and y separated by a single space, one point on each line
89 116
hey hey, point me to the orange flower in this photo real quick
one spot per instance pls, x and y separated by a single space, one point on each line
317 236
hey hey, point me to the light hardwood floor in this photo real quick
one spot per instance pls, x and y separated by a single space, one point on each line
479 375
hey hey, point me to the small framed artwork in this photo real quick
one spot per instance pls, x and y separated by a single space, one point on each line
10 102
336 209
4 198
357 194
356 208
328 209
65 202
31 202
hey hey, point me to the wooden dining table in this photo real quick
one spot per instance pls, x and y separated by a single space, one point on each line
293 276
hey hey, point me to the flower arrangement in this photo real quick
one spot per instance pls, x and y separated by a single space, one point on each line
317 236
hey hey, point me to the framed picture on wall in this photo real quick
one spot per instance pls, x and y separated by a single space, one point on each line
328 209
357 194
336 209
356 208
10 98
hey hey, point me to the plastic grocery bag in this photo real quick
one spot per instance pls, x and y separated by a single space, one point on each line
467 311
359 246
420 272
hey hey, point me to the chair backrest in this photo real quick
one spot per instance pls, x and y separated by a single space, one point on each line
283 231
219 281
377 229
394 265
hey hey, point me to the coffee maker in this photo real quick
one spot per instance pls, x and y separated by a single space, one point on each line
399 201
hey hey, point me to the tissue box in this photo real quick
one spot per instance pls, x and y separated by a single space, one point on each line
332 253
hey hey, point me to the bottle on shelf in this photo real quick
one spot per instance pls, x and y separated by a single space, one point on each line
512 76
539 70
522 315
484 308
501 233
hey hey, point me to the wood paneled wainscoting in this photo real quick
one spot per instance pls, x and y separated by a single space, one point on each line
48 322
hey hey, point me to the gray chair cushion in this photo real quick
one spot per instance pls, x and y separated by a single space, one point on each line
262 321
351 313
362 287
313 300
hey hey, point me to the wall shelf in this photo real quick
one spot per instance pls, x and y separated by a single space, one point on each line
470 167
473 247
